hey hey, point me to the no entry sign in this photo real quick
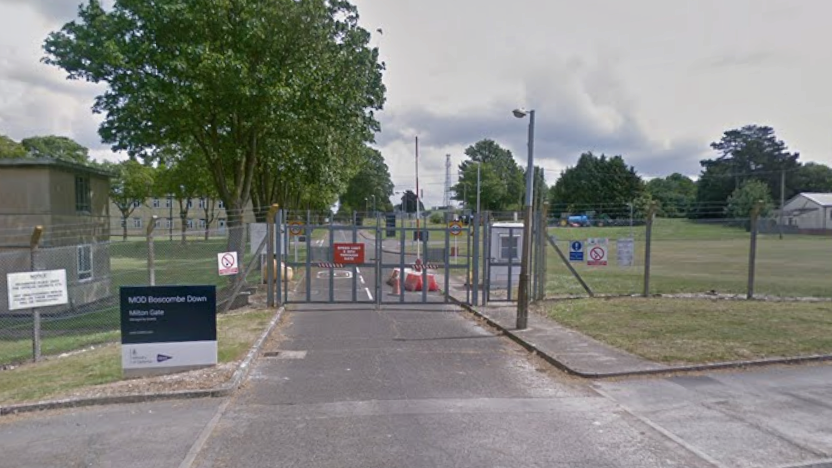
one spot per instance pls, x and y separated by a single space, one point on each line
227 263
349 253
596 251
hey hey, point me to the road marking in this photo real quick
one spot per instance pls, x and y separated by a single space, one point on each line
362 279
188 462
368 293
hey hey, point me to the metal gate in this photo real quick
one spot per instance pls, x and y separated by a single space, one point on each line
380 259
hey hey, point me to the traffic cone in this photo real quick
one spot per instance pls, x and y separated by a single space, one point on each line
393 278
397 288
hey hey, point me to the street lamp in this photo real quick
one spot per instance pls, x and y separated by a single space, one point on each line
525 261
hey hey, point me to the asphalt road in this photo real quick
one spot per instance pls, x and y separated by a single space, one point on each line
420 387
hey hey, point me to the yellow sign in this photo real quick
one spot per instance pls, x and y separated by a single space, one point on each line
296 228
455 228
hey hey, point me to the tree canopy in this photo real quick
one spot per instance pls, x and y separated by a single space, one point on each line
56 147
597 182
285 89
372 180
675 194
131 185
502 183
10 148
742 200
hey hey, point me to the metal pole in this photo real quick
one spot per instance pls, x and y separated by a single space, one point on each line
648 240
543 250
523 289
271 220
479 165
783 200
151 252
752 254
170 217
281 270
33 248
474 263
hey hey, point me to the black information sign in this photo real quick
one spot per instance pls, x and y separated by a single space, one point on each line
390 223
166 314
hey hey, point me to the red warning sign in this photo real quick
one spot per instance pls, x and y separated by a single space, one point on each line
349 253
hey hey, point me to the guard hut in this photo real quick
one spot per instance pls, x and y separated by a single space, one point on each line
505 248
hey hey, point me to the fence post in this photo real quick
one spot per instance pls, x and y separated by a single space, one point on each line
648 241
270 258
151 252
752 253
544 234
33 248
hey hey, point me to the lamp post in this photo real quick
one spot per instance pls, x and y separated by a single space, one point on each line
374 205
479 165
525 261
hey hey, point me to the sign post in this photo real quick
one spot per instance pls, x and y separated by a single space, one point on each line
597 250
455 229
167 329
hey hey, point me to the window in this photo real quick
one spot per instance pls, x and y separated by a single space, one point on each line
137 203
158 223
156 203
508 246
82 194
190 203
168 223
220 204
168 202
202 223
202 202
221 222
137 222
84 262
190 223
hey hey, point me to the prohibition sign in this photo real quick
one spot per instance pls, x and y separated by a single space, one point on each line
228 260
455 228
295 228
597 253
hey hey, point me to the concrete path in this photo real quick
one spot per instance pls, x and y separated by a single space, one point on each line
420 387
775 417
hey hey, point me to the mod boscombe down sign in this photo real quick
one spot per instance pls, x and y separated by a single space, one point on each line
167 329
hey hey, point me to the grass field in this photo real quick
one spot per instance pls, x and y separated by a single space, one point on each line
235 334
689 257
691 331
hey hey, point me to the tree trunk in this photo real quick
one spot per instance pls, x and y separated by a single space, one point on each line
124 228
236 235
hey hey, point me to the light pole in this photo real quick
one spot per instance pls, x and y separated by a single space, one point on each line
479 165
525 261
374 205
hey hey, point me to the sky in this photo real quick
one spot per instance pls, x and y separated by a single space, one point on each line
652 80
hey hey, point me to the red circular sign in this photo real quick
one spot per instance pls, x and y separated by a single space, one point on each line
597 253
228 260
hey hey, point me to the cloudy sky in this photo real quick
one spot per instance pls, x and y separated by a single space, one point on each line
653 80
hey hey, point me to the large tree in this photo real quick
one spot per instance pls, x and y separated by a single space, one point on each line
675 194
752 152
813 177
598 183
10 148
235 79
56 147
743 199
502 184
372 182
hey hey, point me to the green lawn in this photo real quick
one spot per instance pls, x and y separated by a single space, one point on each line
689 257
54 377
692 331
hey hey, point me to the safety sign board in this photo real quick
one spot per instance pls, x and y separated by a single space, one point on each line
227 263
596 251
576 251
33 289
296 228
455 228
349 253
625 251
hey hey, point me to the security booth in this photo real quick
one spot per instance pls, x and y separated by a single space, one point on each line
505 247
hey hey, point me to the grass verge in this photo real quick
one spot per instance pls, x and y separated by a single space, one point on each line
677 331
235 335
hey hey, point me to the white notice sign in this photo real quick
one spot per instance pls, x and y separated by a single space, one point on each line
33 289
227 263
625 249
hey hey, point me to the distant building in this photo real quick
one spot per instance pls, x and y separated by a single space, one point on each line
70 201
809 213
201 214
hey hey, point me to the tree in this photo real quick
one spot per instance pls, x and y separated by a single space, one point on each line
409 202
742 200
502 180
131 185
179 177
56 147
237 81
813 177
752 152
372 180
597 182
10 148
675 194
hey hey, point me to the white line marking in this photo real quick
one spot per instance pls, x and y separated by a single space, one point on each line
362 279
358 270
368 293
206 432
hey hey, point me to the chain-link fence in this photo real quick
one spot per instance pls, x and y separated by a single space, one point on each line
97 266
718 256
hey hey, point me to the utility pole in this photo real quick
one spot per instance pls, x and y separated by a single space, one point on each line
782 199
